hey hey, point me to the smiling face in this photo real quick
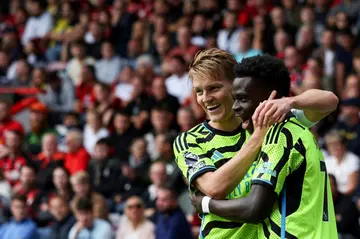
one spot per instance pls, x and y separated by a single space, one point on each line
214 96
247 95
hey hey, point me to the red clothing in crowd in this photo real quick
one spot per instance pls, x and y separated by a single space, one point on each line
10 125
12 167
78 161
44 161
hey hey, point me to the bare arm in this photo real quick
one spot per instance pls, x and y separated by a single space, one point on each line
251 209
220 183
353 183
316 104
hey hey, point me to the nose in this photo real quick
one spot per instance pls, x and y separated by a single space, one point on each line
236 107
207 98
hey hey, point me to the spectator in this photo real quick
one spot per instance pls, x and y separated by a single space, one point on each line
20 226
347 215
158 179
63 219
342 164
86 225
110 65
93 131
27 185
76 159
178 84
139 105
123 135
171 222
164 145
161 122
59 96
281 41
40 22
13 156
352 87
185 119
74 66
48 159
245 48
103 170
93 39
6 122
134 225
348 123
39 127
71 120
184 48
228 38
139 159
123 84
326 53
61 181
80 183
160 97
198 29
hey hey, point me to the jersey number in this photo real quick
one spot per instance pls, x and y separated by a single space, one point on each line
325 207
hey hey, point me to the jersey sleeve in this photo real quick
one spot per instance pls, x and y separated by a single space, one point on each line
190 158
277 161
300 116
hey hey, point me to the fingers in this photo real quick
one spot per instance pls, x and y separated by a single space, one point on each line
272 95
269 117
266 108
258 110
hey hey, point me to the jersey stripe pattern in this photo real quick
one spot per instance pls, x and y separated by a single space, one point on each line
291 163
204 149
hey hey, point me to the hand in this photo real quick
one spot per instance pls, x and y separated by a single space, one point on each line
196 202
272 110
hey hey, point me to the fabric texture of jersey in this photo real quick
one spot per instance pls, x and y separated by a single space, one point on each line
203 149
291 163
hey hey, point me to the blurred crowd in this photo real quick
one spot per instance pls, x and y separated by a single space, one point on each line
93 93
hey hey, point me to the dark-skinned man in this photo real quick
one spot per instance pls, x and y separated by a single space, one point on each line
290 195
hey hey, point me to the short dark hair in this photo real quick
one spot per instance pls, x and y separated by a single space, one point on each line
180 59
18 197
172 191
84 204
122 112
32 166
102 141
271 71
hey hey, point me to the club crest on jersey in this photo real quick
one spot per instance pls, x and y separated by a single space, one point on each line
190 159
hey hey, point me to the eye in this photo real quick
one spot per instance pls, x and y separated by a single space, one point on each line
198 92
214 88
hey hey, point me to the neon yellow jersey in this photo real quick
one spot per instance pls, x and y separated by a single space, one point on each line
291 163
203 149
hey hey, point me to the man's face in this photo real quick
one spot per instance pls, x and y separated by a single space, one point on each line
121 123
159 120
49 143
18 210
27 176
81 189
164 201
247 97
59 209
85 218
158 174
101 152
214 97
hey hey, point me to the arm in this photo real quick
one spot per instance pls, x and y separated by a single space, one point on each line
218 184
251 209
353 183
316 104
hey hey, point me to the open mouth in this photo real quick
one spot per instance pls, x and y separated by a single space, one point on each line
213 107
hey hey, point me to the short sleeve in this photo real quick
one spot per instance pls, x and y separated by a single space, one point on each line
190 159
273 167
300 116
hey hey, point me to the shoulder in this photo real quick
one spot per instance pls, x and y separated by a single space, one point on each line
187 139
285 133
104 225
149 224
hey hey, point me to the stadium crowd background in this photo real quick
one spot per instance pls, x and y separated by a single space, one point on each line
93 94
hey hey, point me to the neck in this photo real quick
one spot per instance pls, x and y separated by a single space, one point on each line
229 125
136 224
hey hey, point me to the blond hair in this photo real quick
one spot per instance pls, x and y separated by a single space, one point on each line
214 63
80 177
